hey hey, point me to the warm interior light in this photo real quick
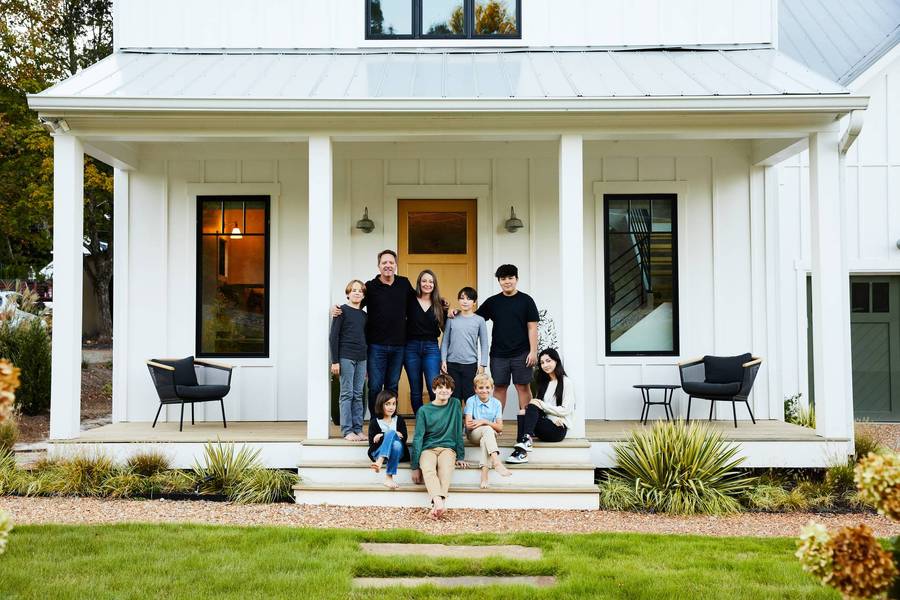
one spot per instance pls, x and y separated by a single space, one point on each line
236 232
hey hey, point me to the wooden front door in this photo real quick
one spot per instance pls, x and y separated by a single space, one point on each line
440 235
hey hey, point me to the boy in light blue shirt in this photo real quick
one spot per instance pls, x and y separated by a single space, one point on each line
484 422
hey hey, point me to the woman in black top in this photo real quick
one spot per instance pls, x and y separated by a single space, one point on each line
425 316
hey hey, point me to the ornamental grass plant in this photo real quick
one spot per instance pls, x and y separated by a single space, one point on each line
682 468
222 468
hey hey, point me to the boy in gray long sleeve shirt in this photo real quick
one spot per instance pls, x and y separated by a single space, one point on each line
348 360
459 348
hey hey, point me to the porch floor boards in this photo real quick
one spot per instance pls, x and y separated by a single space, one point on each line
295 431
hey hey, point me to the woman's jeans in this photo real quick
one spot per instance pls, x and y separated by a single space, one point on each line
391 448
353 377
422 357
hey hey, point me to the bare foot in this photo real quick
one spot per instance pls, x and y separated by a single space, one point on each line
351 437
390 483
360 437
484 479
376 466
439 508
498 466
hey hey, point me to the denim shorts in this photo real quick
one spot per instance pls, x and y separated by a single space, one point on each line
504 368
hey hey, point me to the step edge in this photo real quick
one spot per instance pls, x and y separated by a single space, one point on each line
515 467
505 489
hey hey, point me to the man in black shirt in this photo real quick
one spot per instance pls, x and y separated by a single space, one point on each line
514 338
386 299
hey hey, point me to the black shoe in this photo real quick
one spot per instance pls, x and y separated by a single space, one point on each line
526 444
517 457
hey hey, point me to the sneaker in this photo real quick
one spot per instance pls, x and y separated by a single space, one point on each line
518 457
527 445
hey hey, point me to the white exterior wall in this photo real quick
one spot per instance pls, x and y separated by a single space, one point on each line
716 252
162 274
871 218
340 24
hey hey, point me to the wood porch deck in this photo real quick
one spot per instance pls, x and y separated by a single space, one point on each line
295 431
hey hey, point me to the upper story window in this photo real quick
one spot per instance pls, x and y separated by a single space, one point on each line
443 19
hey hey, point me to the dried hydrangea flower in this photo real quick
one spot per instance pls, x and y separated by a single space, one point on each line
861 568
877 477
9 383
5 528
814 552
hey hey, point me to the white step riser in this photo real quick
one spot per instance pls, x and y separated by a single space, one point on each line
544 455
520 477
576 501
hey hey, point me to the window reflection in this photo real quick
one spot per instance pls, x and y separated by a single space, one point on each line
233 272
443 18
495 17
641 274
390 17
437 232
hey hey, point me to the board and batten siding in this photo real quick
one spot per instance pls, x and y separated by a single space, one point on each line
872 216
340 24
717 252
162 275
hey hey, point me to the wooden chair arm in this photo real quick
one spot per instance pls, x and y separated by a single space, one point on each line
755 361
209 363
692 361
157 365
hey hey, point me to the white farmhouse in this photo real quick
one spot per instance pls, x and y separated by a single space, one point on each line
637 141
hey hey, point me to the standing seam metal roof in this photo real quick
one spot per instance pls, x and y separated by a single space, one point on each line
838 38
441 73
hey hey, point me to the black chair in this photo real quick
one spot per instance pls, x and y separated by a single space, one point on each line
177 382
720 379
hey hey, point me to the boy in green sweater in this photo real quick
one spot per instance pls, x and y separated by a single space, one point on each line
437 446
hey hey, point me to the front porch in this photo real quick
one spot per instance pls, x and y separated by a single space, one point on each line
769 443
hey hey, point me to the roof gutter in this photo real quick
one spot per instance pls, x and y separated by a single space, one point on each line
840 103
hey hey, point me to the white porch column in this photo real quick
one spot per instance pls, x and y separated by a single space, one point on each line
121 195
571 272
318 288
830 290
68 241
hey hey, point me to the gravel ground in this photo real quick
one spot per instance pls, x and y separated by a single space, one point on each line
96 511
888 434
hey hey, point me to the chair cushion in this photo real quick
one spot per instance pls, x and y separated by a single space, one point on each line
700 389
725 369
202 392
184 370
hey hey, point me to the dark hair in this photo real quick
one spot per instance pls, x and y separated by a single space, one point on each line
383 252
437 303
443 380
469 293
507 271
383 397
543 379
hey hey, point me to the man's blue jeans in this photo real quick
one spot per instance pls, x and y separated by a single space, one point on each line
423 357
392 449
384 366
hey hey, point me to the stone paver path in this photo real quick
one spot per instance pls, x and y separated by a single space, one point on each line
388 582
444 551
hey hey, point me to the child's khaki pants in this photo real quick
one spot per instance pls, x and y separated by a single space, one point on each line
486 438
437 466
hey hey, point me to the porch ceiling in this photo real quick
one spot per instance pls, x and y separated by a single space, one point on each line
442 80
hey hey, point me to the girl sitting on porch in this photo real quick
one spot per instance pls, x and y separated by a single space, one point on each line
437 446
547 415
387 437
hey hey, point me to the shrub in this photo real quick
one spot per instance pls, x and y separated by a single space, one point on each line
170 482
124 484
616 493
9 435
818 495
839 478
148 463
10 474
767 497
263 486
681 468
865 443
27 345
82 475
222 468
798 412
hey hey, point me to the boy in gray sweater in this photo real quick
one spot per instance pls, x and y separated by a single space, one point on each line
348 359
459 348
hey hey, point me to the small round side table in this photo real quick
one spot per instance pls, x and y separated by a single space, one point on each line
667 392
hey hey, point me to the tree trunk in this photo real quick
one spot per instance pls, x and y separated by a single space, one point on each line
100 269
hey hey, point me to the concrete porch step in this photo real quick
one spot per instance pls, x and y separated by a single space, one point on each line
568 451
360 472
581 497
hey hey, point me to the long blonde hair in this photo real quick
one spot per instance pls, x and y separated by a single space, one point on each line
437 303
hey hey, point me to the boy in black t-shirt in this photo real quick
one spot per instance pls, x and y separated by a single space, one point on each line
514 339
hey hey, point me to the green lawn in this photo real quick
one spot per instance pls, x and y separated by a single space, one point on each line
188 561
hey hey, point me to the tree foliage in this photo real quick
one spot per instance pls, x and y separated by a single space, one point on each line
41 43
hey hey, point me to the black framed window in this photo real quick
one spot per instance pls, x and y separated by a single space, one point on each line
443 19
641 264
232 276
